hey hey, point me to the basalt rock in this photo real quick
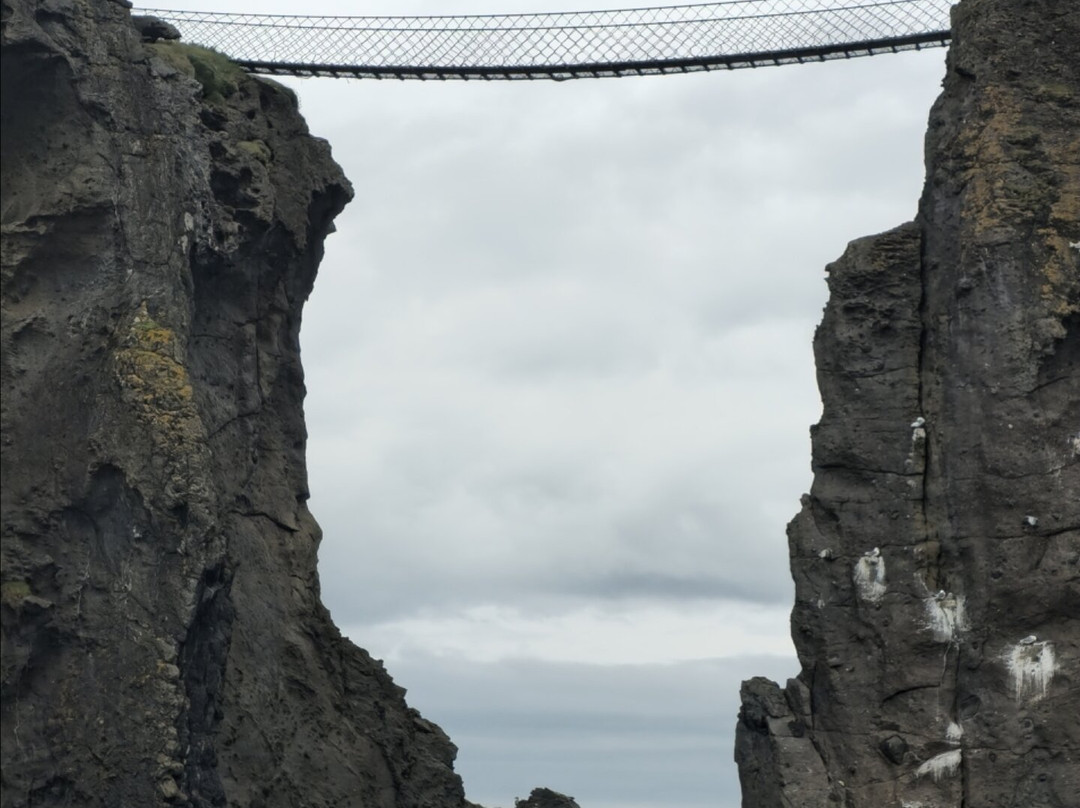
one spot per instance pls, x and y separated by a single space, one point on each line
937 556
163 639
546 798
152 29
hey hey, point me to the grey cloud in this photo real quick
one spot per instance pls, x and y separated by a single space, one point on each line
644 584
692 535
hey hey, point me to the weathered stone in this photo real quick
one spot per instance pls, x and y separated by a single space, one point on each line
781 765
894 748
546 798
941 645
151 29
163 639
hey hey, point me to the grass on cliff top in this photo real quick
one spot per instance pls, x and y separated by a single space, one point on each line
219 76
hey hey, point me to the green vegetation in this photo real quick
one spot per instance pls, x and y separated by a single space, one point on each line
257 149
219 76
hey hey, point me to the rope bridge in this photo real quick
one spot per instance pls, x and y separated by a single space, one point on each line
566 45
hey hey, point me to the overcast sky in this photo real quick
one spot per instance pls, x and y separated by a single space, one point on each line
559 389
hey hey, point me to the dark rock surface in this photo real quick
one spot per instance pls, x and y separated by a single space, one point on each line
151 29
937 557
546 798
163 638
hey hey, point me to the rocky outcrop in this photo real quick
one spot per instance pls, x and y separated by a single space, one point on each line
163 638
937 557
546 798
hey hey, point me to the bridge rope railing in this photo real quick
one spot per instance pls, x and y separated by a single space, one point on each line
563 45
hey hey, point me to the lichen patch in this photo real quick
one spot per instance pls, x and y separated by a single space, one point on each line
155 385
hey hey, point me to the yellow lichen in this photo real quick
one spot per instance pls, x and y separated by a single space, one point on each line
155 384
13 593
159 382
1021 177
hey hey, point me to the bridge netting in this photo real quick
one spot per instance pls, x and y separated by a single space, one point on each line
563 45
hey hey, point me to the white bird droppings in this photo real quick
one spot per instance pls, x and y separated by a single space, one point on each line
918 422
1032 665
869 575
954 733
1031 521
946 616
941 765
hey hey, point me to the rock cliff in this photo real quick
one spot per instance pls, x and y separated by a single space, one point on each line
937 557
163 638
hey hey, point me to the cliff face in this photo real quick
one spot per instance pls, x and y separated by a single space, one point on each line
937 557
163 639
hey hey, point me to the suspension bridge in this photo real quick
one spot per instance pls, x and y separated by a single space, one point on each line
568 45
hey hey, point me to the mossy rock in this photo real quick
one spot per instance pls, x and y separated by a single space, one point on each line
219 76
1057 93
13 593
257 149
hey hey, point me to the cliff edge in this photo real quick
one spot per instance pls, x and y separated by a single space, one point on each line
163 638
937 557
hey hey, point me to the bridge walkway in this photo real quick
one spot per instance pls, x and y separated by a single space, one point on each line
567 45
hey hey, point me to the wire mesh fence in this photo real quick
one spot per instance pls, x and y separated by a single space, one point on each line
668 39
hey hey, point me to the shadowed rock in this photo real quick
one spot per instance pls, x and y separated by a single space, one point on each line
546 798
151 29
